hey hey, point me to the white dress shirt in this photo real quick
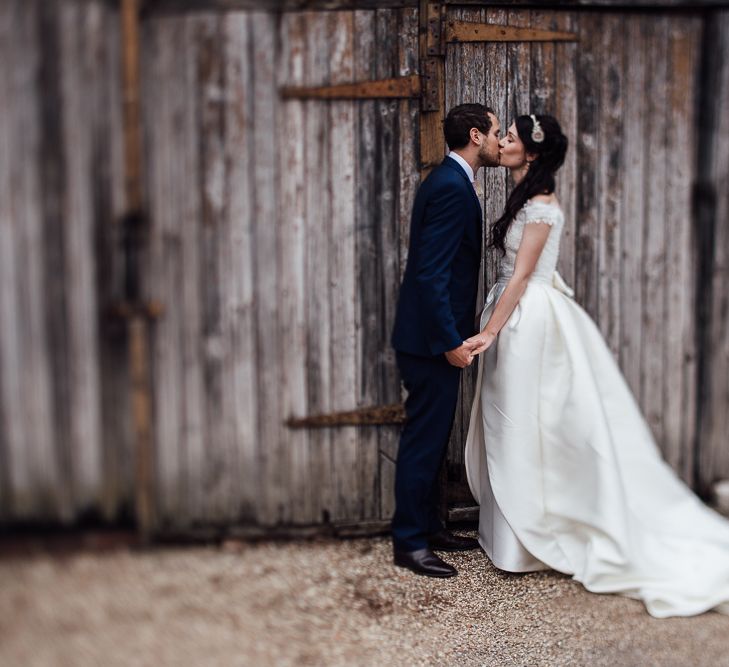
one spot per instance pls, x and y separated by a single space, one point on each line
464 164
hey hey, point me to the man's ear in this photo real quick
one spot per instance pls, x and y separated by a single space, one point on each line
475 136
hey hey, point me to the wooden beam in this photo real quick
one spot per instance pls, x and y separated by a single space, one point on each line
432 70
463 31
370 416
139 349
406 86
434 37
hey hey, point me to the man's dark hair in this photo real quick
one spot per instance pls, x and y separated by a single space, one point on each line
460 120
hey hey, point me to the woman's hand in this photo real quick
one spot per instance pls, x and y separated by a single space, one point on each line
482 341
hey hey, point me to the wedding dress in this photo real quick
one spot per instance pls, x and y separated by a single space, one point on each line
565 468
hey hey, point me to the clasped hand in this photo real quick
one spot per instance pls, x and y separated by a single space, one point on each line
464 355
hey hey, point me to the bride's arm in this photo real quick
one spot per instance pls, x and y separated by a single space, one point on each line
532 243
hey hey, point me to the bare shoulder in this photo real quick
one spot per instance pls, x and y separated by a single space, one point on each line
545 199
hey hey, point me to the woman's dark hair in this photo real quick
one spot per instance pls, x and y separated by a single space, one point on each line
459 121
539 179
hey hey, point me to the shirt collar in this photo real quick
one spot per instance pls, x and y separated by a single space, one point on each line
463 163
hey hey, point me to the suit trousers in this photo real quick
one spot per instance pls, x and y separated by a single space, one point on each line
432 386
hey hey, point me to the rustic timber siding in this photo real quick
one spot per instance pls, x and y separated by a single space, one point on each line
277 245
279 232
64 445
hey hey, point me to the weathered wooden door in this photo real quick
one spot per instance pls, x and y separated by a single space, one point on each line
279 215
624 94
278 232
281 209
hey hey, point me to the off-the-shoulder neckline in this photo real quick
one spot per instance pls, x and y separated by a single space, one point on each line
532 202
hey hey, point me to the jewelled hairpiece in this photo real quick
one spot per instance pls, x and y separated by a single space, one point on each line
537 132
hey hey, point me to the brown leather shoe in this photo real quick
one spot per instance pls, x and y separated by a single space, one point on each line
424 561
444 540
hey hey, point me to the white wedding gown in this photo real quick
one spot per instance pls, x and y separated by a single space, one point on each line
564 466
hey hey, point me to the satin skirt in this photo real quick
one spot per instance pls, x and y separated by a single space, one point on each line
566 471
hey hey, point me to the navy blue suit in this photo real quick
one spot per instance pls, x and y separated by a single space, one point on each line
436 312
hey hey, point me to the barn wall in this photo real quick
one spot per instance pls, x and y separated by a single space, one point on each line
277 229
63 428
278 234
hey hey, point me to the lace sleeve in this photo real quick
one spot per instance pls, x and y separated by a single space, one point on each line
540 220
540 213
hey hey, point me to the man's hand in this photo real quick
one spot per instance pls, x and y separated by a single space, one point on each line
481 342
461 356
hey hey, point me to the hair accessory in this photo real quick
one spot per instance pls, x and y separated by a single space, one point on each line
537 132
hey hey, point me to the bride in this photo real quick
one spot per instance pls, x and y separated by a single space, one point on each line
563 465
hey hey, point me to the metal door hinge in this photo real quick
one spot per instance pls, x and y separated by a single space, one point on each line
464 31
399 87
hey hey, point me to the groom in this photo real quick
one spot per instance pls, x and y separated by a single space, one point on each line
436 313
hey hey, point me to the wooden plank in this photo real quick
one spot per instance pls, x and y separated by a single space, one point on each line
16 128
387 468
495 57
610 179
654 249
293 172
565 109
689 436
80 39
386 223
271 447
342 276
542 86
42 284
116 436
587 230
713 458
432 141
406 86
214 476
318 229
129 15
679 375
434 33
139 330
370 479
468 31
192 416
518 58
242 372
409 131
164 95
635 48
409 180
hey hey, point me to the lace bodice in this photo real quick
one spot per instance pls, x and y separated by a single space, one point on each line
534 212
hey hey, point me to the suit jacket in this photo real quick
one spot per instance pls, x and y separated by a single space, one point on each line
436 309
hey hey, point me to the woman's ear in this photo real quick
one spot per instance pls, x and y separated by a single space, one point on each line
530 157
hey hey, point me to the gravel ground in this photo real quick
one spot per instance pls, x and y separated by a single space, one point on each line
324 603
